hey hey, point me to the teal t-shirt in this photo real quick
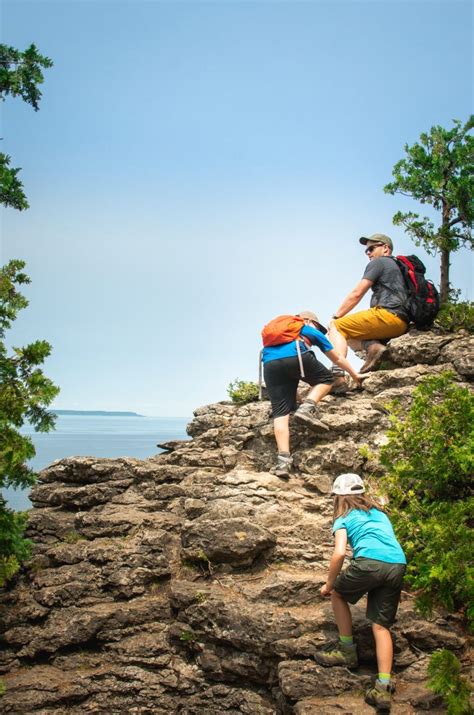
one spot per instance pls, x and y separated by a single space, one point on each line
371 535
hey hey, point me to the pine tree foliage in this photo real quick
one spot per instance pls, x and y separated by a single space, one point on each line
446 680
25 392
439 170
20 76
21 73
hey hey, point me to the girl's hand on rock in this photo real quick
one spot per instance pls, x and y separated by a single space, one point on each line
325 591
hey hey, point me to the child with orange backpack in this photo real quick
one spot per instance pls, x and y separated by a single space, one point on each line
287 358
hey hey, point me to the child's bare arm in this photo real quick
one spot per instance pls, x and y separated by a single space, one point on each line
337 559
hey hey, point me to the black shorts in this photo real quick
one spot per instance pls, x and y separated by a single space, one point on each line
381 581
282 377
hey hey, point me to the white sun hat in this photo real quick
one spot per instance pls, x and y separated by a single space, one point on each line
346 484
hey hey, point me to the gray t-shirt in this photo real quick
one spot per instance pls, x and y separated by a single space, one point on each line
388 286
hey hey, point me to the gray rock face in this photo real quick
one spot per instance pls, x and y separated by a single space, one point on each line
189 583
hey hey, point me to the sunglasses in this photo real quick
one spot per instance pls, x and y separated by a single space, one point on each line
371 248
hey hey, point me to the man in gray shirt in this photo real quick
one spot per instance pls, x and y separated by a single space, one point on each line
386 317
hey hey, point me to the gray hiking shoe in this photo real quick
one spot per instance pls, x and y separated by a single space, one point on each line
379 695
375 353
308 413
283 466
337 653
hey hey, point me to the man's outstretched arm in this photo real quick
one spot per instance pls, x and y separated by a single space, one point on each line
354 297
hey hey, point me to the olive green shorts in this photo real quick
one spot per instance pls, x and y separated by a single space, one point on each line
381 581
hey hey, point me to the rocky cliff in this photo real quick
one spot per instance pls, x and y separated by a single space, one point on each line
188 583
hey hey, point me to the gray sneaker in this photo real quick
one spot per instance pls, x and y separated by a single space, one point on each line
308 413
283 466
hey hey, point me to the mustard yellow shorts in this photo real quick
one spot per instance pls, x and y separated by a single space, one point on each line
373 324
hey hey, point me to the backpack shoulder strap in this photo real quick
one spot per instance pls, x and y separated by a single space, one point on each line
300 359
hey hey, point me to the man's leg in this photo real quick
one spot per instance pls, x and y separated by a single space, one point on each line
337 339
356 344
371 324
375 351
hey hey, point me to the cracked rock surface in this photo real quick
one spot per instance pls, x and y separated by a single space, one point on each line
189 582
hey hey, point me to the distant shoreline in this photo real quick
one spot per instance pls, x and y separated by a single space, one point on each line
96 413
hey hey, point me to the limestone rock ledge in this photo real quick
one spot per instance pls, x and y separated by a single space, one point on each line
188 583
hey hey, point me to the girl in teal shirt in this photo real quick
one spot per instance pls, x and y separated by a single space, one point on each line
377 568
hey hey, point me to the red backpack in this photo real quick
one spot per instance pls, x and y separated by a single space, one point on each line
422 303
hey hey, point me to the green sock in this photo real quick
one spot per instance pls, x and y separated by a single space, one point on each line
346 640
384 678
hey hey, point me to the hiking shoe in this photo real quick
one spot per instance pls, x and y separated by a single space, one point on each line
375 352
379 695
283 466
336 653
308 413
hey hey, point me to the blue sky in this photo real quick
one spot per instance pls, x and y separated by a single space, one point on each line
197 168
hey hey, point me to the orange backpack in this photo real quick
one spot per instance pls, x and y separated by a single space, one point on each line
281 330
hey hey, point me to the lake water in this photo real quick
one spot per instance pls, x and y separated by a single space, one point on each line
97 436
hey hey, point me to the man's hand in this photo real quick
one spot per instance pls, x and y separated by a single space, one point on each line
325 591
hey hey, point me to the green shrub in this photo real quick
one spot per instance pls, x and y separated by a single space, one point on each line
13 547
429 463
455 316
242 392
187 636
445 680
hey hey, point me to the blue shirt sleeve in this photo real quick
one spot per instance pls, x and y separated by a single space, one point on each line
339 524
316 337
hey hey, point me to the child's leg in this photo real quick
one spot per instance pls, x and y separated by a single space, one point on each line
281 428
379 694
342 613
344 652
383 648
382 605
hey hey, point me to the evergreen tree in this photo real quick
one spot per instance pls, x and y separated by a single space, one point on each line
25 392
439 170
